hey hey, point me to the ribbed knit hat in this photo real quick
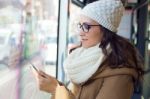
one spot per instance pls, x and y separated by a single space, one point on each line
107 13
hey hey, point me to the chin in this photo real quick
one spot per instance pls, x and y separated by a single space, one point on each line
86 46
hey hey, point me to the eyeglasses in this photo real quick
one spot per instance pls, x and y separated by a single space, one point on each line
85 27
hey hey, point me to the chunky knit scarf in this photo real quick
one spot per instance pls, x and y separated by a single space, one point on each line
82 63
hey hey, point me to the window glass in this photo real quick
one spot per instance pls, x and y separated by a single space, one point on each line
28 35
73 38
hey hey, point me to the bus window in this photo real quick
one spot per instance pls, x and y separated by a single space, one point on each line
28 34
73 38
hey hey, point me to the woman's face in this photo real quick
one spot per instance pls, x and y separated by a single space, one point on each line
89 32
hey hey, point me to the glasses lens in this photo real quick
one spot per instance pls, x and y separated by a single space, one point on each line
86 27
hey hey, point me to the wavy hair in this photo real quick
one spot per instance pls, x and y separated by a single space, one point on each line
123 53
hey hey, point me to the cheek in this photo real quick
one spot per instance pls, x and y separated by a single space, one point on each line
95 37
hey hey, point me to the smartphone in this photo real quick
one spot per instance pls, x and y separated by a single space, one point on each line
33 67
37 70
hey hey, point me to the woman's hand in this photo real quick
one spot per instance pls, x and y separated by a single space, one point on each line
46 82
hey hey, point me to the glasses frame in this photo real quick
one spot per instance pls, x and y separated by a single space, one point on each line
81 26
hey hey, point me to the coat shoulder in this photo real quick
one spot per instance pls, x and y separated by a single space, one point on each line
108 72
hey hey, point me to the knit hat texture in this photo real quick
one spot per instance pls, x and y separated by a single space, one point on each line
107 13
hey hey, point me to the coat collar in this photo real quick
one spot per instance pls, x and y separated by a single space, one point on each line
107 72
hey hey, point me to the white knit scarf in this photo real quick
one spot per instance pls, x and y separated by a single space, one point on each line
82 63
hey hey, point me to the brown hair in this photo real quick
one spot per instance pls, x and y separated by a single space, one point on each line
123 53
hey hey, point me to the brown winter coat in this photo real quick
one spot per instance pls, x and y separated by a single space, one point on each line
107 84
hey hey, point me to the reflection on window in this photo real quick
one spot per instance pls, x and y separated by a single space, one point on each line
73 35
28 32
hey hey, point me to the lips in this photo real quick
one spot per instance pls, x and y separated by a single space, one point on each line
84 39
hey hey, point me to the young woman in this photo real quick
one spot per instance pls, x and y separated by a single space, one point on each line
105 65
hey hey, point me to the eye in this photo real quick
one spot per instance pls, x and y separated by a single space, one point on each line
86 26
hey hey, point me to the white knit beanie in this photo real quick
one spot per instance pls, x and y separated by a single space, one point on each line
107 13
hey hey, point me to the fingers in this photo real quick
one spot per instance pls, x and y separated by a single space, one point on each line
43 74
46 82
